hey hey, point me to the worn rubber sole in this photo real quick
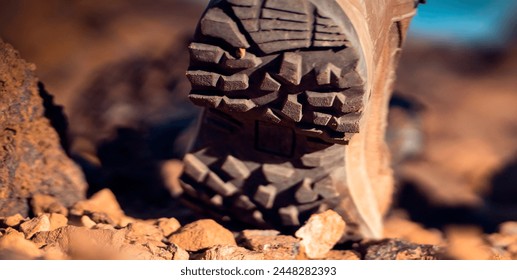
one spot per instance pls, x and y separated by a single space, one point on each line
284 88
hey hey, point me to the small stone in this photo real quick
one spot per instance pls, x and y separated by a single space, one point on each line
168 226
229 253
100 218
103 226
87 222
241 52
57 220
395 249
33 226
271 244
42 203
103 201
13 245
140 232
178 253
14 220
321 233
508 228
202 234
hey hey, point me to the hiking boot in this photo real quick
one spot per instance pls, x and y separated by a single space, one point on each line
296 95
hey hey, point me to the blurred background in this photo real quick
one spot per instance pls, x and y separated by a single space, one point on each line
117 67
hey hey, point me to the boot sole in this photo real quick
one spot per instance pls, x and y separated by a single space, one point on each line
284 90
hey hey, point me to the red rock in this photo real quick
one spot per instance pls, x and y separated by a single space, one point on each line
271 244
32 159
229 253
103 201
33 226
168 226
42 203
202 234
57 220
14 220
13 245
87 222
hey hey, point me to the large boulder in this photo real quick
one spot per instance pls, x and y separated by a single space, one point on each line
32 160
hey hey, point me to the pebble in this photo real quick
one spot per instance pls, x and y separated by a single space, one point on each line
104 201
14 220
42 203
229 253
35 225
168 226
271 244
321 233
202 234
57 220
13 245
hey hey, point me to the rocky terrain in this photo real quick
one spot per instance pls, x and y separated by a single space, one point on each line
95 177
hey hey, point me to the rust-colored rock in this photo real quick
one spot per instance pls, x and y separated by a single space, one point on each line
33 226
14 220
394 249
229 253
202 234
178 253
42 203
31 158
13 245
87 222
271 244
103 201
321 233
168 226
57 220
140 232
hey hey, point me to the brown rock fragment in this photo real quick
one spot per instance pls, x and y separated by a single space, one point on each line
140 232
14 220
202 234
103 201
178 253
42 203
271 244
57 220
229 253
508 228
320 233
32 160
168 226
395 249
13 245
33 226
87 222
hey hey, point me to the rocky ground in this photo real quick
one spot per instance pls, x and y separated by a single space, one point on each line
101 183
